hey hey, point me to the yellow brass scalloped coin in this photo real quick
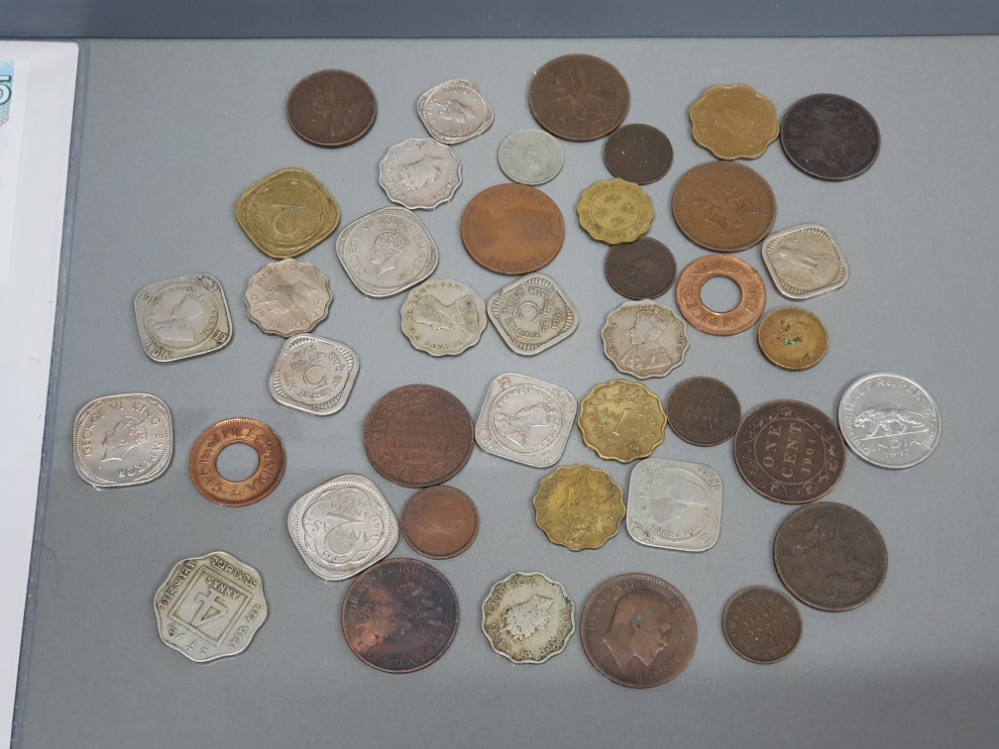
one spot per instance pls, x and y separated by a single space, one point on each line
615 211
622 420
734 122
287 213
579 507
793 338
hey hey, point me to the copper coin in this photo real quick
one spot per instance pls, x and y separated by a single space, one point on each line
761 624
724 206
205 454
638 153
752 300
703 411
793 338
830 137
512 229
579 97
643 269
331 108
440 522
638 630
789 451
400 615
830 556
418 435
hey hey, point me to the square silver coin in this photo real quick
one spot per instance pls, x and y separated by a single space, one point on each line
313 374
183 317
673 504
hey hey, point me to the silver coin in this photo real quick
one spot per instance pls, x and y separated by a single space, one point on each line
455 111
525 420
386 252
528 617
532 314
443 317
314 374
673 504
644 339
805 261
530 157
889 420
419 173
210 607
122 440
183 317
288 297
343 527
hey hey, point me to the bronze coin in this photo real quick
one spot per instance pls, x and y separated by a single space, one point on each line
638 153
752 299
418 435
793 338
512 229
761 624
830 556
638 630
440 522
205 454
331 108
579 97
830 137
789 451
724 206
703 411
400 615
643 269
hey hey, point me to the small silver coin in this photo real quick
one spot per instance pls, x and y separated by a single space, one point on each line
530 157
288 297
455 111
532 314
443 317
644 339
805 261
528 617
673 504
314 374
183 317
419 173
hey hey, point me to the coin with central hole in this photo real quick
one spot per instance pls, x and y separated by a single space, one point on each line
243 431
752 298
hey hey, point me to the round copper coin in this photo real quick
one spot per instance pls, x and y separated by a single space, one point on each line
752 299
638 153
703 411
331 108
579 97
761 624
724 206
418 435
830 556
789 451
830 137
638 630
793 338
400 615
512 229
440 522
643 269
205 454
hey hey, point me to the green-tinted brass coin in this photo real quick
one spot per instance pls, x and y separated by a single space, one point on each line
579 507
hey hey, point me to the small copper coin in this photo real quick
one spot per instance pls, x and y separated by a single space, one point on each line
643 269
793 338
830 137
752 300
512 229
703 411
440 522
638 630
761 624
205 454
724 206
400 615
331 108
789 451
638 153
418 435
830 556
579 97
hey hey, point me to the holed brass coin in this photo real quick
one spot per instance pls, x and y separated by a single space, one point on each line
622 420
734 122
615 211
793 338
579 507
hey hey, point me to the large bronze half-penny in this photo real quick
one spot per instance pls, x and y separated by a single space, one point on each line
418 435
579 97
638 153
331 108
761 624
440 522
789 451
205 455
400 615
638 630
830 137
743 316
643 269
703 411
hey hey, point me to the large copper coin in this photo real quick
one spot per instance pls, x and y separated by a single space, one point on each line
205 454
643 269
743 316
830 556
512 229
418 435
579 97
761 624
400 615
638 630
830 137
440 522
331 108
724 206
703 411
638 153
789 451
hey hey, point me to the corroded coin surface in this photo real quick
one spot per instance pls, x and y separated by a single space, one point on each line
331 108
793 338
734 122
638 153
205 454
644 339
579 507
643 269
530 157
579 97
288 297
703 411
674 504
440 522
443 317
314 374
743 316
761 624
183 317
615 211
528 617
532 314
622 420
830 137
455 111
419 173
805 261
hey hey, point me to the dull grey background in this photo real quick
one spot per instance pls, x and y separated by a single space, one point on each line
174 132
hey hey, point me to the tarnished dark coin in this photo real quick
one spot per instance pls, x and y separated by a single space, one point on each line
643 269
579 97
331 108
830 137
440 522
830 556
789 452
418 435
400 615
638 630
761 624
703 411
638 153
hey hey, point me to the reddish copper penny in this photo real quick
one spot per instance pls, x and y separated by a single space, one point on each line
579 97
752 301
331 108
440 522
205 454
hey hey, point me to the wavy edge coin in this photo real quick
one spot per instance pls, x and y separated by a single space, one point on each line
621 192
515 634
590 421
763 128
564 525
464 87
305 321
650 319
391 180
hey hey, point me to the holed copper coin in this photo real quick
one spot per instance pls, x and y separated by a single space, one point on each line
761 624
703 411
743 316
638 153
331 108
830 137
643 269
418 435
400 615
579 97
440 522
205 454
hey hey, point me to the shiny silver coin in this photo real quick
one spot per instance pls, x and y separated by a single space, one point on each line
673 504
455 111
528 617
183 317
314 374
805 261
419 173
288 297
645 339
532 314
443 317
530 157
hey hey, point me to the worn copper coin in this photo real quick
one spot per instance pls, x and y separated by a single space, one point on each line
743 316
703 411
761 624
440 522
638 630
793 338
331 108
638 153
830 556
789 451
830 137
579 97
643 269
418 435
205 454
400 615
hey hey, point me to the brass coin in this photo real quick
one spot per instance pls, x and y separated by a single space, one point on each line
734 122
793 338
761 624
205 454
703 411
440 522
331 108
579 97
615 211
579 507
752 299
622 420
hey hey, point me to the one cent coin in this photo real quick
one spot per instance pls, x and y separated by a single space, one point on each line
579 97
761 624
418 435
703 411
830 137
638 153
331 108
643 269
400 615
638 630
440 522
615 211
734 122
205 454
752 295
793 338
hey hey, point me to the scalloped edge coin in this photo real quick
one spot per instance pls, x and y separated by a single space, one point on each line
528 617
